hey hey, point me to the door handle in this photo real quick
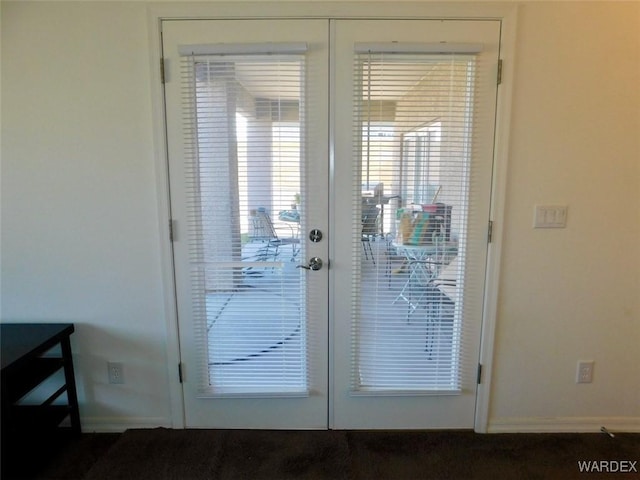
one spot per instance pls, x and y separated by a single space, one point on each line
315 263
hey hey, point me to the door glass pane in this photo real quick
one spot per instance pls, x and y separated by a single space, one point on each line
413 131
246 122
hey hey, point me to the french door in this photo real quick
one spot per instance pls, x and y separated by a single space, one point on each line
330 188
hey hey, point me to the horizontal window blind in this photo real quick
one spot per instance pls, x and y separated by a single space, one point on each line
244 121
404 47
413 119
242 48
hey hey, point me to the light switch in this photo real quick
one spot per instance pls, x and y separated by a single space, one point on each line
550 216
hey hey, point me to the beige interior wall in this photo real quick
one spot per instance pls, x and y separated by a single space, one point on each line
572 294
80 231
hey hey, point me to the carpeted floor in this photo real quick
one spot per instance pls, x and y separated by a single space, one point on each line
164 454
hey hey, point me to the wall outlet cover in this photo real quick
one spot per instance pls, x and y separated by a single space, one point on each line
115 371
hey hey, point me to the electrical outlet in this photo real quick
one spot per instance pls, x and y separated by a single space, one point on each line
115 372
585 372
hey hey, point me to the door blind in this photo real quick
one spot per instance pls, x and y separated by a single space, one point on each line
414 112
244 124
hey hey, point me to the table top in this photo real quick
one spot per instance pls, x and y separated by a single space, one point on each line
289 216
428 248
19 340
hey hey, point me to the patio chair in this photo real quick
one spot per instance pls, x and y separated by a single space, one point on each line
264 230
370 214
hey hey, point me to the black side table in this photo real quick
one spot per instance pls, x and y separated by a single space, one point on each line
24 368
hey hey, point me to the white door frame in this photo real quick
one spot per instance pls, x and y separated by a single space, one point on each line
506 13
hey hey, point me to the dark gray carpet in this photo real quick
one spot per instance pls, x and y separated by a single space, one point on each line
208 454
164 454
466 455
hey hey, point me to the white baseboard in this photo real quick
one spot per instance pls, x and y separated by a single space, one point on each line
120 424
563 424
496 425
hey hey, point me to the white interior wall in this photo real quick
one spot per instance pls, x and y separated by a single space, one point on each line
573 293
80 233
80 224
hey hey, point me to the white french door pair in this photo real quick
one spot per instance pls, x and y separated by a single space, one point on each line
330 187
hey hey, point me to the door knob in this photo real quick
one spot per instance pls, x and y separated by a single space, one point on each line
315 235
315 263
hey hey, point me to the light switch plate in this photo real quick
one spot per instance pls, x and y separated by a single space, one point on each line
550 216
